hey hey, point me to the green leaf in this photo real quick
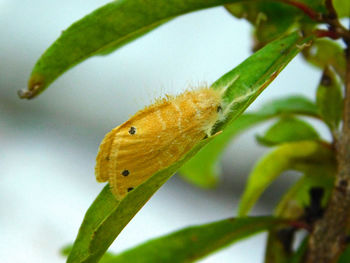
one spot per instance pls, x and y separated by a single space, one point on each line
104 30
288 129
266 18
290 105
342 7
290 156
323 53
107 217
329 99
203 169
244 83
107 257
192 243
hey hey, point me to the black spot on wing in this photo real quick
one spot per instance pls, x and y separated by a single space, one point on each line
125 173
132 130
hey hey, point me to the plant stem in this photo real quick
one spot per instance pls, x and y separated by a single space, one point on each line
328 239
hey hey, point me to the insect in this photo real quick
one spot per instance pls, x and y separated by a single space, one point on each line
156 137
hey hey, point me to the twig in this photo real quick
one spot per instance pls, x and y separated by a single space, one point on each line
336 29
306 9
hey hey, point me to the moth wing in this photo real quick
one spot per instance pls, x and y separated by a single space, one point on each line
102 159
157 142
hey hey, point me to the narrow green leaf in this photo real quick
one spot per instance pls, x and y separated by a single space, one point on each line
193 243
329 99
104 30
106 217
288 129
244 83
203 169
323 53
289 156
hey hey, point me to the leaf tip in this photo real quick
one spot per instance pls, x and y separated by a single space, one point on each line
35 85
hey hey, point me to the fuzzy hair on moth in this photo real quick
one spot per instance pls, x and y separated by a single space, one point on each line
156 137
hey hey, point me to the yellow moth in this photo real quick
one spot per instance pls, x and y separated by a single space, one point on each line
155 137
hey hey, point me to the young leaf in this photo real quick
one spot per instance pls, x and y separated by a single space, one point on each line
288 129
107 217
323 53
329 99
289 156
203 169
104 30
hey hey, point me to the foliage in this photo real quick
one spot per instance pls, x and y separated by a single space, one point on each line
281 30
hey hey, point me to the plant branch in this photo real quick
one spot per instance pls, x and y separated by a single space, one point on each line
336 29
328 239
306 9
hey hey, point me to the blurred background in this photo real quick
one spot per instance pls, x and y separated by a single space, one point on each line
49 144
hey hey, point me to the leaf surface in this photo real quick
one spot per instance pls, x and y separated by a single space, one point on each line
323 53
192 243
290 156
288 129
103 31
329 99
